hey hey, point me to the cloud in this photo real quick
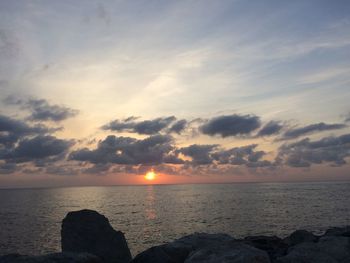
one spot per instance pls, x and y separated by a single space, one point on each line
305 152
41 110
347 119
40 148
317 127
213 155
178 126
270 128
11 130
8 168
22 143
200 154
231 125
244 155
98 169
153 150
62 170
148 127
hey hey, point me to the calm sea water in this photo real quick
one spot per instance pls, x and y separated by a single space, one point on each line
30 219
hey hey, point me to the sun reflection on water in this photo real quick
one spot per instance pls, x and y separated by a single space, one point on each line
150 210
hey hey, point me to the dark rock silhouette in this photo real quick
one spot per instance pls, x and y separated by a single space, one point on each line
89 231
274 246
178 250
300 236
232 251
338 231
87 237
328 249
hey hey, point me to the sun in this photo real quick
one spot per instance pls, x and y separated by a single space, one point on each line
150 176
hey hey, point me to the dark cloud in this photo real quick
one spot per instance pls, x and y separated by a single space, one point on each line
11 130
41 110
304 153
148 127
244 155
178 126
317 127
155 149
200 154
40 148
21 143
270 128
231 125
8 168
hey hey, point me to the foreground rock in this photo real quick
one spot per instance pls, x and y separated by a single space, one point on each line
51 258
228 252
89 231
178 250
274 246
300 247
300 236
338 231
328 249
201 247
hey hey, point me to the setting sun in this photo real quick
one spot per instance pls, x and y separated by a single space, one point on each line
150 176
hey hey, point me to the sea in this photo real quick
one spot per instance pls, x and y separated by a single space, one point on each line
149 215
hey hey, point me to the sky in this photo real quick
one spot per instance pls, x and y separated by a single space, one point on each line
101 92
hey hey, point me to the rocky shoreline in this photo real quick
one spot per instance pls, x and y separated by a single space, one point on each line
87 237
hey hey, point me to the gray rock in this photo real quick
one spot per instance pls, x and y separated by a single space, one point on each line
328 249
300 236
229 252
338 231
336 246
273 245
89 231
177 251
51 258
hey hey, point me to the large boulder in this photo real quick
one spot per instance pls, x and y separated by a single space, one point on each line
51 258
300 236
89 231
273 245
328 249
178 250
229 252
338 231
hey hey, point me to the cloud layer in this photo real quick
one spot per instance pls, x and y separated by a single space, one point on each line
30 145
304 153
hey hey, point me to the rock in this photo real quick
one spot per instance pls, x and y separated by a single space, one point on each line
338 231
51 258
336 246
178 250
229 252
328 249
300 236
273 245
89 231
